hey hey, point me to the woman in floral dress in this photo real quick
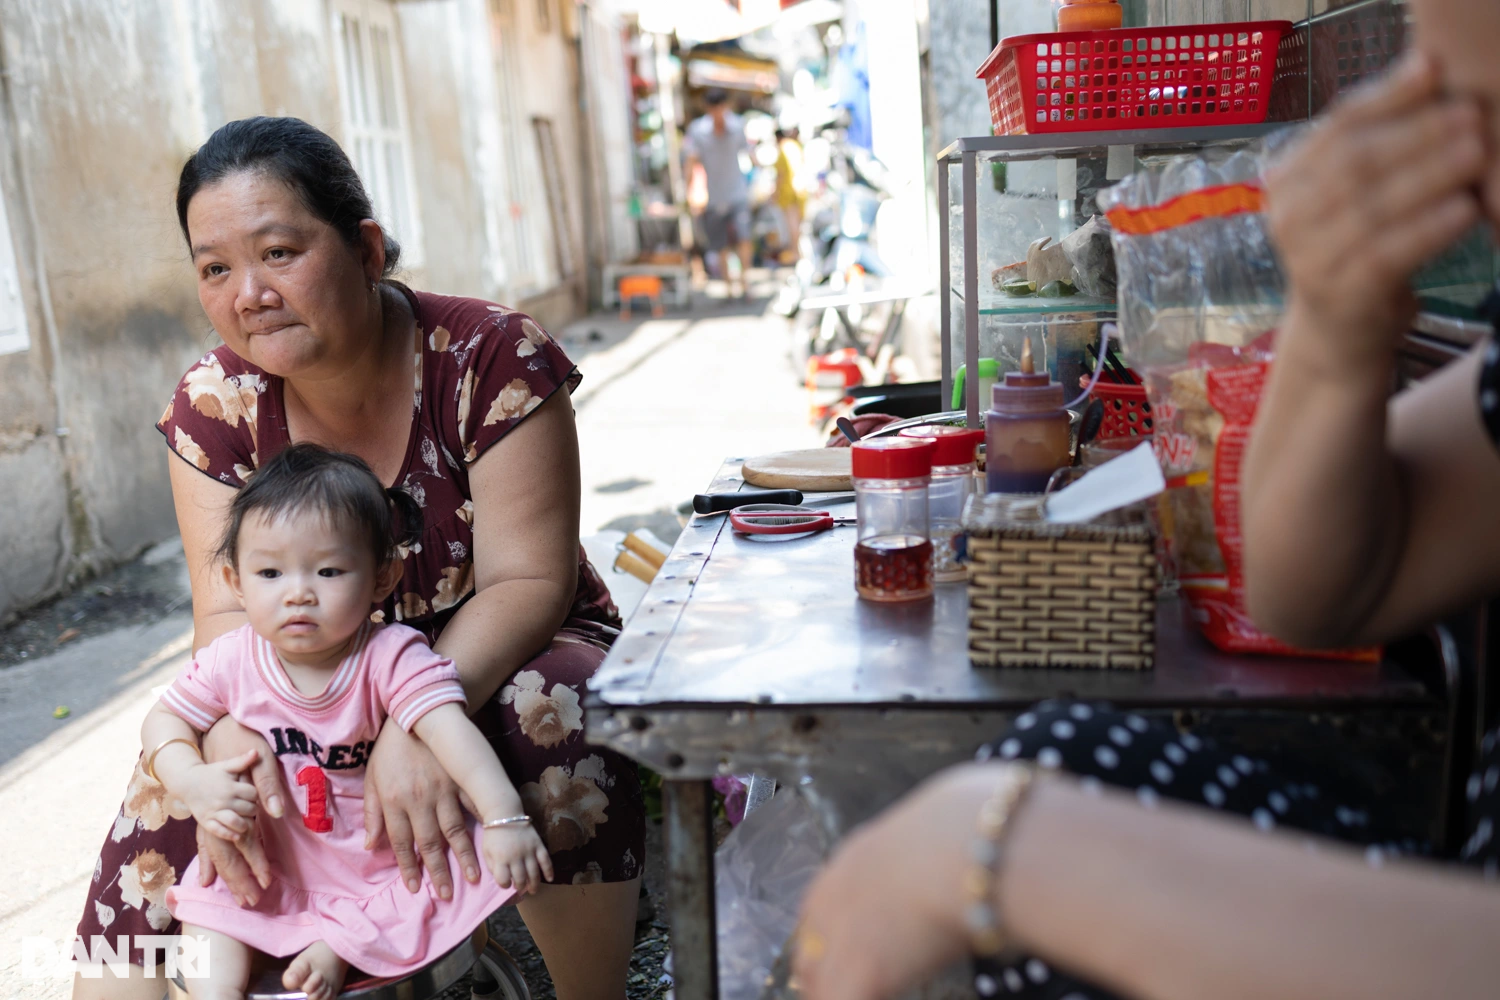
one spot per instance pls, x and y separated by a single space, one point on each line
464 404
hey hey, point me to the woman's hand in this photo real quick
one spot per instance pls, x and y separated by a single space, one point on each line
517 858
241 863
887 910
1380 186
220 800
412 800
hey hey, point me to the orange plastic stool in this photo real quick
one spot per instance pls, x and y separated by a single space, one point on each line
643 286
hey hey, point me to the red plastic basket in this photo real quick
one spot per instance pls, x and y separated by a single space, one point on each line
1127 414
1173 77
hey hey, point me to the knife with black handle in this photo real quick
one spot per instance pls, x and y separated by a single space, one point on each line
718 503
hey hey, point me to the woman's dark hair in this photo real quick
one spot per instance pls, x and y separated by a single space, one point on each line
302 157
309 477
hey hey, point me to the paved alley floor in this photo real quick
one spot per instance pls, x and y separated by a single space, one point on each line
662 403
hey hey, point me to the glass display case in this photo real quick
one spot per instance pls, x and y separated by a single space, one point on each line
1003 198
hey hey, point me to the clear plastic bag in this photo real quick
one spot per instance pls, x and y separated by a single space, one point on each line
760 873
1201 294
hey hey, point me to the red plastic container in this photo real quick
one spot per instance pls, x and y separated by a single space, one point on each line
1173 77
1126 412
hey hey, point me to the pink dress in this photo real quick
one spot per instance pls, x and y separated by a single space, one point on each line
324 885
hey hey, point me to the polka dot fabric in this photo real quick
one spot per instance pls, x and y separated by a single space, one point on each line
1483 792
1156 761
1489 372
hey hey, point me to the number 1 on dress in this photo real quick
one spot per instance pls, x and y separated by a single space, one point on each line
316 818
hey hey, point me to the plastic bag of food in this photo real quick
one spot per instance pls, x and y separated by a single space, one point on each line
1200 298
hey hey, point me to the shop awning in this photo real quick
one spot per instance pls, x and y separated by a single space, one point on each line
713 70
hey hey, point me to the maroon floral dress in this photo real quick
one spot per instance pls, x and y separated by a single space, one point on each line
480 370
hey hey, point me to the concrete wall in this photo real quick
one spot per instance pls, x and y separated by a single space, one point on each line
103 100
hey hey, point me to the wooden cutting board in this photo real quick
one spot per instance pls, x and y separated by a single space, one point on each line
817 470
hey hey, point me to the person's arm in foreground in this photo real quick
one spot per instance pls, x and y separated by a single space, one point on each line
1365 520
515 854
202 506
1167 903
526 496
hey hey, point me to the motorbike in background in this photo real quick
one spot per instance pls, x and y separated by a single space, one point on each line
838 256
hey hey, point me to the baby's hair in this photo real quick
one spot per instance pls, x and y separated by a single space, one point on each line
309 477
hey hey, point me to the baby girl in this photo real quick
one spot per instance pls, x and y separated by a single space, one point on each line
311 544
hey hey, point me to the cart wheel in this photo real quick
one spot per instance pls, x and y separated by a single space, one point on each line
498 977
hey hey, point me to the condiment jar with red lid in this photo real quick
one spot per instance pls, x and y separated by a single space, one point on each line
953 465
1028 431
893 557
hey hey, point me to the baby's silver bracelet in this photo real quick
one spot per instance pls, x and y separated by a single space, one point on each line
496 824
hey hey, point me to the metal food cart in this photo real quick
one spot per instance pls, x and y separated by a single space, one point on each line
753 654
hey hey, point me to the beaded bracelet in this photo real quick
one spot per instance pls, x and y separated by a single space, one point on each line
987 855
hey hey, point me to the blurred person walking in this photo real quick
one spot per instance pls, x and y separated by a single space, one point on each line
715 141
791 191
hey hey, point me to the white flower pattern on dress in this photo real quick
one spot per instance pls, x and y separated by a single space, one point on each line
568 808
144 883
189 449
455 585
532 337
546 719
410 606
146 805
465 402
515 400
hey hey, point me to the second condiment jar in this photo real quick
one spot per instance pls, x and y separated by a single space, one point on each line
1027 430
952 483
893 557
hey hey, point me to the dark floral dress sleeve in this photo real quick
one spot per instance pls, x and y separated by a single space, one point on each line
212 418
510 368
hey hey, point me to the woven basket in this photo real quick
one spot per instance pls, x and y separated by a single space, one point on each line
1059 595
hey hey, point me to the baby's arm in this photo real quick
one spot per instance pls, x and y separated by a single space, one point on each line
515 854
221 802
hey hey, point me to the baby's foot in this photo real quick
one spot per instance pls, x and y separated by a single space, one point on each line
318 972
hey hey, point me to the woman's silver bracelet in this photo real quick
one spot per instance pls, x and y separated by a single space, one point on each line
496 824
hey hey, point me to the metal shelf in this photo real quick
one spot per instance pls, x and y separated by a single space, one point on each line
1000 304
1148 140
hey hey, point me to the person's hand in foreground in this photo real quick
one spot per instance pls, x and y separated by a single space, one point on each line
1378 188
887 910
